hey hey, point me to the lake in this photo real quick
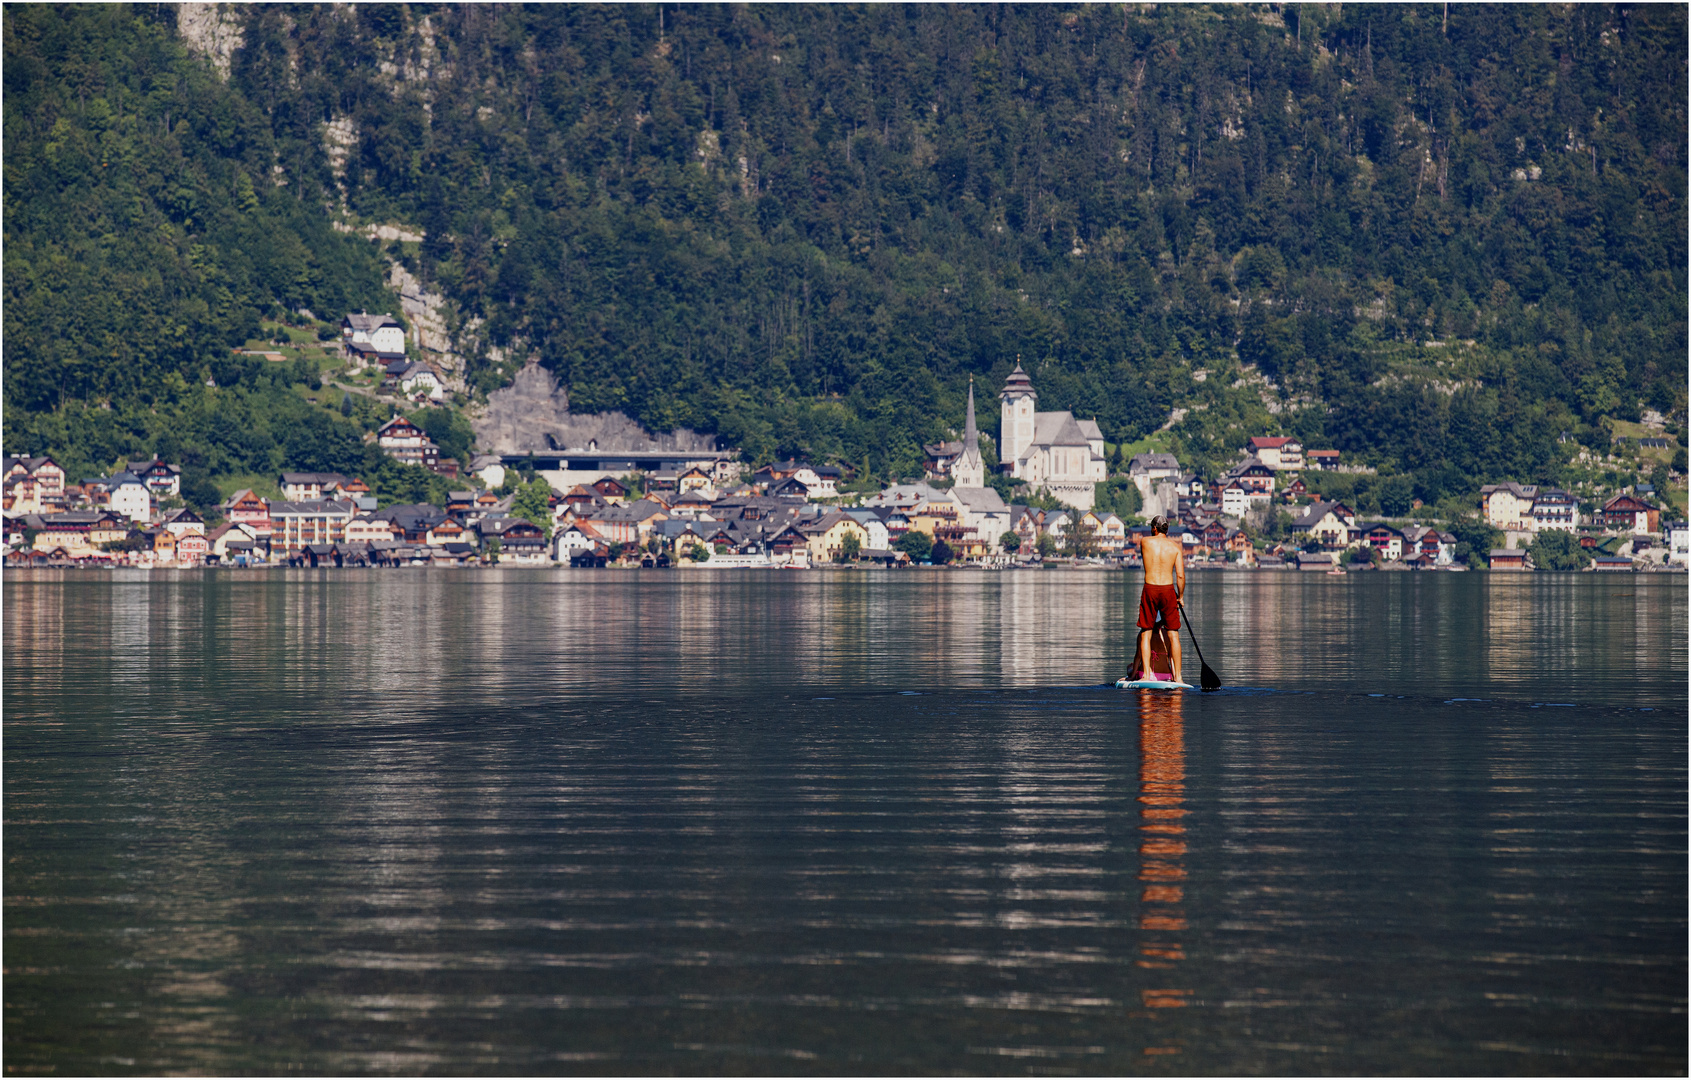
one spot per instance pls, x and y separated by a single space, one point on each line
558 821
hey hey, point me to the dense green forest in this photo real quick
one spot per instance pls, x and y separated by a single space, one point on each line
1435 238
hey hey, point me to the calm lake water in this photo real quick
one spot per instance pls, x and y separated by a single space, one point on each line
658 822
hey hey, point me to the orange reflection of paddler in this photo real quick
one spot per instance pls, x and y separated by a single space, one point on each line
1162 846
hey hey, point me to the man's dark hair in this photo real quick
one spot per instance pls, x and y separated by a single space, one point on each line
1159 524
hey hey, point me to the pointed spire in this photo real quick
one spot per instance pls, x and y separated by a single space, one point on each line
970 470
971 437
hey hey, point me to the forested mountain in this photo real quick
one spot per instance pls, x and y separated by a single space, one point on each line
1436 238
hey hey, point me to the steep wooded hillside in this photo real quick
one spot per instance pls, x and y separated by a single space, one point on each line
1434 239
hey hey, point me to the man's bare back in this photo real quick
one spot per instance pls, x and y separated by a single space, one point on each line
1164 560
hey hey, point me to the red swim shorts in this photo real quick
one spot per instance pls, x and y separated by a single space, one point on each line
1155 599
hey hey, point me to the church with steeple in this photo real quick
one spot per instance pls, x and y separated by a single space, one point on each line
969 469
1050 450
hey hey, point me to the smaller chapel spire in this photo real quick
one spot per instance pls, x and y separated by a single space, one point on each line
971 437
970 470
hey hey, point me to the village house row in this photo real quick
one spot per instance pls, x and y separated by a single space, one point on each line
787 514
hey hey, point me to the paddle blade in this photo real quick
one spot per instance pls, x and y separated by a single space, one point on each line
1207 678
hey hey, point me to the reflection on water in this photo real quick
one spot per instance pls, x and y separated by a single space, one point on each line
1162 867
372 636
536 821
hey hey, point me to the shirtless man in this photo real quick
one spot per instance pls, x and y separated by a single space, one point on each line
1165 580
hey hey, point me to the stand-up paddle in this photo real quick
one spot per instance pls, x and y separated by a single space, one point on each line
1207 678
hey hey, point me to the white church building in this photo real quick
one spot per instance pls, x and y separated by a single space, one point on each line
1050 450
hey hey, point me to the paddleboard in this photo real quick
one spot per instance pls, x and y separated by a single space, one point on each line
1151 684
1161 675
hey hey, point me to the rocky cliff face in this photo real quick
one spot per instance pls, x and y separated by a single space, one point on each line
533 413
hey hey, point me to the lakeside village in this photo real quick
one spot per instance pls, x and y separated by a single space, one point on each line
606 507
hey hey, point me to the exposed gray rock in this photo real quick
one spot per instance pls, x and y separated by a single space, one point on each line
533 413
212 30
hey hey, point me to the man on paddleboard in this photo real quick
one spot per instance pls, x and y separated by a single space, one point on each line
1159 601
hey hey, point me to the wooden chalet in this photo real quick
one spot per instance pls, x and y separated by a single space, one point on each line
610 489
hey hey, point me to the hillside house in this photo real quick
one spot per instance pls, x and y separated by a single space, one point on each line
422 382
1553 508
1240 547
1423 541
1328 522
247 509
874 526
1108 531
405 442
627 524
23 495
164 481
310 486
1629 513
192 548
372 339
1212 537
1235 500
1153 467
184 522
825 537
820 481
1275 452
1508 506
49 477
610 489
126 494
79 532
1385 540
367 528
694 503
1254 476
575 539
696 478
522 541
233 544
445 531
1323 460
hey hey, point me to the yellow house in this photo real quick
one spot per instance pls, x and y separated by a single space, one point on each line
826 538
694 479
447 532
1108 531
74 542
936 514
1508 506
108 529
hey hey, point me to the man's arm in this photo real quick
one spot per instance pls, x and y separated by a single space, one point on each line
1179 569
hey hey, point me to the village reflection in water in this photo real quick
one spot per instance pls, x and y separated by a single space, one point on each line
446 633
